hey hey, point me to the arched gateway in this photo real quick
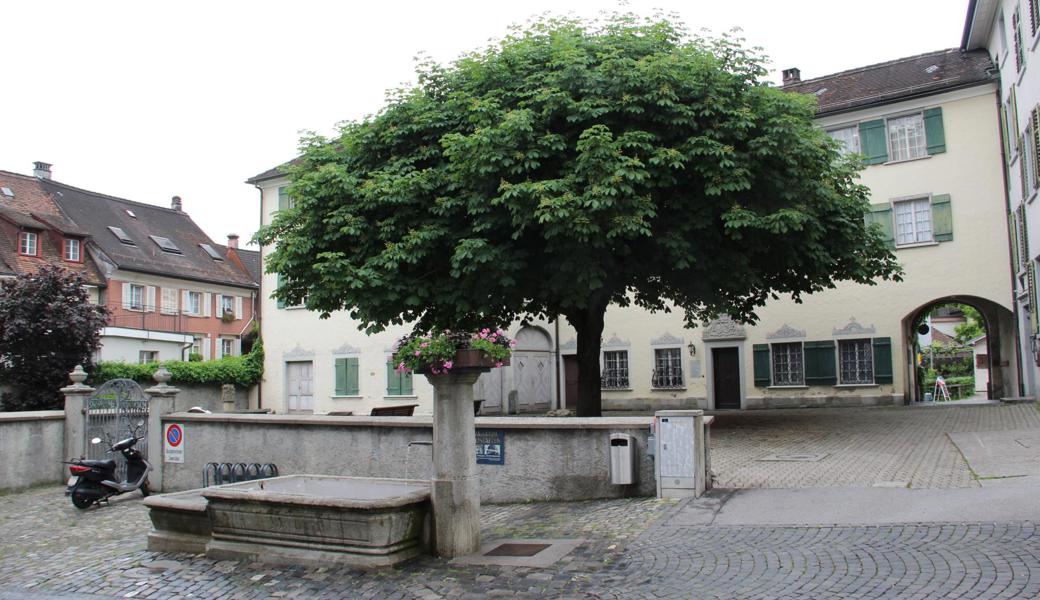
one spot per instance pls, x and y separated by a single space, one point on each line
526 385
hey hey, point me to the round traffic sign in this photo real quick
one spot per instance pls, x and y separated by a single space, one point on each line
174 435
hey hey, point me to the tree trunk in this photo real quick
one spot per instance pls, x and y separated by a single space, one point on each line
589 326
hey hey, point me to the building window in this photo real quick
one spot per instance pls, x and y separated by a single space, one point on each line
148 356
195 303
1016 33
27 243
906 137
227 306
667 368
398 383
136 297
196 347
346 376
788 366
227 347
169 301
615 370
913 221
72 250
856 359
849 137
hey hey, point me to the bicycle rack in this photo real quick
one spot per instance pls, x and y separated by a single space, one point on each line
221 473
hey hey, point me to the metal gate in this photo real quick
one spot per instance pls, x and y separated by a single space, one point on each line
113 411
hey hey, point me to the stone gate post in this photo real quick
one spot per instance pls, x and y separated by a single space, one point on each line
77 396
161 399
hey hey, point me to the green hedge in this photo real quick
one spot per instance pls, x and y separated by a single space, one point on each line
240 370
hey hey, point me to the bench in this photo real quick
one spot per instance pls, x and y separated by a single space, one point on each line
403 410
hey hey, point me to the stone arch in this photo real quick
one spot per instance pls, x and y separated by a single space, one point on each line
999 323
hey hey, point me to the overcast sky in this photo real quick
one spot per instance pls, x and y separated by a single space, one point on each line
146 100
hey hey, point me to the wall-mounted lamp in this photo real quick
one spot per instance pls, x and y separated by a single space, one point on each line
692 349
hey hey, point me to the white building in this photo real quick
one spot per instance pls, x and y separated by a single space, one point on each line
1009 30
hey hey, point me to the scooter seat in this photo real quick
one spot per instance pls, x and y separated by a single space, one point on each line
100 464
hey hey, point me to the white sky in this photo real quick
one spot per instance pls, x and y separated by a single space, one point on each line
146 100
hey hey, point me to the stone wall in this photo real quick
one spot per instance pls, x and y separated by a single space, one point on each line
208 397
31 447
545 458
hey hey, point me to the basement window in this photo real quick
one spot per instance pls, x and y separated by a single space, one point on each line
166 244
123 237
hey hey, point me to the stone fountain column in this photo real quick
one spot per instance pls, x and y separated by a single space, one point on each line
456 489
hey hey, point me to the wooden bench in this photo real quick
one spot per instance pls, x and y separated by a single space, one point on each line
404 410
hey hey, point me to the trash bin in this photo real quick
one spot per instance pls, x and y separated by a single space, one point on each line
622 459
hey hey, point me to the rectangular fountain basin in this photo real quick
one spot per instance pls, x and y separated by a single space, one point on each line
179 522
319 520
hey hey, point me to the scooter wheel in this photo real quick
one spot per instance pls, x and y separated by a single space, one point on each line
79 499
145 490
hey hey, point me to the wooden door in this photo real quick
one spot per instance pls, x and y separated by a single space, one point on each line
533 373
570 378
300 386
726 377
489 389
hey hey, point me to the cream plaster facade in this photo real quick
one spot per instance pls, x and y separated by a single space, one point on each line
972 268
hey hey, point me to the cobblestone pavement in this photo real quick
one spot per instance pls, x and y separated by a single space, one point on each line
50 550
862 446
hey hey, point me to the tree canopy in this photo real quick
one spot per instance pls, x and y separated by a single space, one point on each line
47 326
569 166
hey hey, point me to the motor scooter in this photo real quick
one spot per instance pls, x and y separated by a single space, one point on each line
94 481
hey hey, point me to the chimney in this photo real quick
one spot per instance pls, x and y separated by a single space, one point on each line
175 204
42 170
232 240
792 75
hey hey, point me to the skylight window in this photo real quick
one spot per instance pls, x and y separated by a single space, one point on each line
212 252
820 91
932 69
166 244
131 213
123 237
7 192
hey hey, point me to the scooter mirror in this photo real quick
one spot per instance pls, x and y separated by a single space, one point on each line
96 440
140 423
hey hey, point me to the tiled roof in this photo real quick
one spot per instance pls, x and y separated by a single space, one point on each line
251 260
29 206
272 173
892 81
97 212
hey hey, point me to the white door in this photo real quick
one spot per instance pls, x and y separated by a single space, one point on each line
300 386
489 389
532 370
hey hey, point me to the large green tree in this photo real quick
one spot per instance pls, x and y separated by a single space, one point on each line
47 326
571 166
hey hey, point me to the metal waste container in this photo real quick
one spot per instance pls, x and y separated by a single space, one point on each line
622 459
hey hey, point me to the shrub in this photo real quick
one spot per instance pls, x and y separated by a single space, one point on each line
243 370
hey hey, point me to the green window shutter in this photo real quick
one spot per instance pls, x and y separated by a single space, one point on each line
1036 144
278 284
393 380
942 218
882 360
882 215
872 141
1005 133
820 365
1023 170
341 377
933 131
761 360
406 383
1032 298
1013 231
352 388
283 198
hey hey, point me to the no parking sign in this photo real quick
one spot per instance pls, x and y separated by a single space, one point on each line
173 443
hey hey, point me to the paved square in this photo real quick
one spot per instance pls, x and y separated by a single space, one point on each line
864 447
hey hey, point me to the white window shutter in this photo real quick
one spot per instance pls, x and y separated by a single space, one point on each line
220 348
207 348
185 302
207 304
238 345
238 307
126 294
150 299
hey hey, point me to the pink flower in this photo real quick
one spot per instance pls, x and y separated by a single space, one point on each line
448 364
435 370
492 338
417 353
500 332
424 344
498 364
512 344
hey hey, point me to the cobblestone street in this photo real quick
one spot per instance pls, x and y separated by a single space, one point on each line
861 447
634 548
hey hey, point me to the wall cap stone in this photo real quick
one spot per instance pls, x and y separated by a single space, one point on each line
418 421
32 415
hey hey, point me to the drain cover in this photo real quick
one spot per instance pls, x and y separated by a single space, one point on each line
795 457
514 549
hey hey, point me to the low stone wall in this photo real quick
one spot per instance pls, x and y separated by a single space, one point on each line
545 458
757 402
31 447
208 397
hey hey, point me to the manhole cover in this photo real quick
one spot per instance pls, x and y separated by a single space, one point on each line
517 550
795 457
